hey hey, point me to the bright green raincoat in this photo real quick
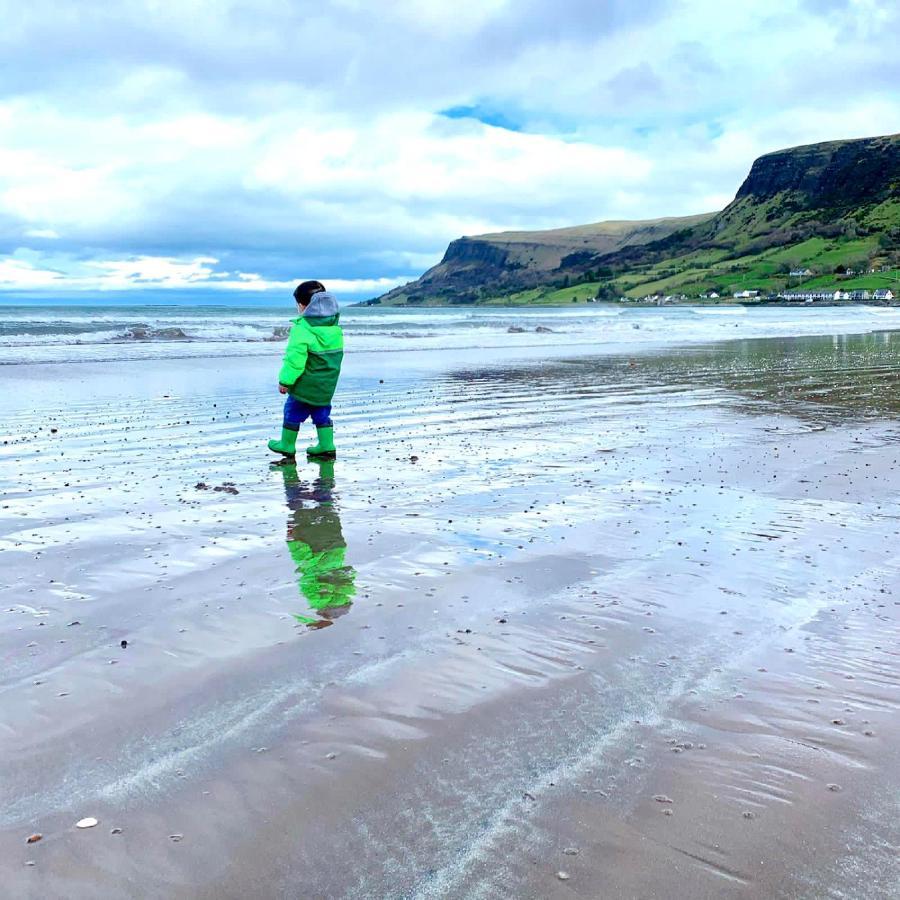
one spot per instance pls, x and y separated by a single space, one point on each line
314 353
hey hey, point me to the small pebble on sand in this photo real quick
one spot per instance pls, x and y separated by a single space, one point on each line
89 822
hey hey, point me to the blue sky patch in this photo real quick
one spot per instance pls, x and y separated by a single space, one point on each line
484 114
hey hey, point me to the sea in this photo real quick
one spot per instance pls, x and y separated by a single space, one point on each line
92 333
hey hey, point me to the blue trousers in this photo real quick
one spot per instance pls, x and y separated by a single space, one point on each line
296 413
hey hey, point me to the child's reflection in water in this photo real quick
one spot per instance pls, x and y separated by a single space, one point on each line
317 545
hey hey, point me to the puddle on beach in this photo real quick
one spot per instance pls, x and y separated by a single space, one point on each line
831 377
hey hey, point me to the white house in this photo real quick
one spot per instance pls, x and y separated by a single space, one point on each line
800 273
808 296
745 295
841 295
884 294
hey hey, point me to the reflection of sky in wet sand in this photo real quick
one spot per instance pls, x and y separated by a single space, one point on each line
830 377
316 542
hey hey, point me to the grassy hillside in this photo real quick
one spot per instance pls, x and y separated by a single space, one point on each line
825 207
767 270
528 263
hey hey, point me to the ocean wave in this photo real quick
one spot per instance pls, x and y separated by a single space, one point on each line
161 333
26 336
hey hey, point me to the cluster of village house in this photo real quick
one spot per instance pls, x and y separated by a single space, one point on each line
827 295
810 296
841 270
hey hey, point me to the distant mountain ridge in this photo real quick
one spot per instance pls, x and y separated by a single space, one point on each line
818 207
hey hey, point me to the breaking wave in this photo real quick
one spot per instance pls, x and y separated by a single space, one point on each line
37 334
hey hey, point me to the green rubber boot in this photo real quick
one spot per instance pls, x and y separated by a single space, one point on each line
287 446
325 445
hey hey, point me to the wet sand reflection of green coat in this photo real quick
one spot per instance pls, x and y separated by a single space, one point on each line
317 546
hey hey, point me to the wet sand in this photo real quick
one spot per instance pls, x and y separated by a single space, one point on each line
592 627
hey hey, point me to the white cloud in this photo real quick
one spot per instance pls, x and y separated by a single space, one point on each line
161 273
21 275
211 143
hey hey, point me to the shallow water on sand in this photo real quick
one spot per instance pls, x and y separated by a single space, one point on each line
641 607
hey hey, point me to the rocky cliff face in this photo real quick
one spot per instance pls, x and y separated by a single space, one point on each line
472 250
834 175
819 190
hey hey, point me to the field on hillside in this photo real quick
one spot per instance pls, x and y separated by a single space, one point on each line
766 271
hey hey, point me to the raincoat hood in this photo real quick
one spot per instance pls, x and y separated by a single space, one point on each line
322 305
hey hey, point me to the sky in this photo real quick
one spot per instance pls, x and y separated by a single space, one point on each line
221 147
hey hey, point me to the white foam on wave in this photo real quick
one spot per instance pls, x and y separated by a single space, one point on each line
26 337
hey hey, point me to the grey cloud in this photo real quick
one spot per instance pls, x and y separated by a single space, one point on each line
227 51
636 83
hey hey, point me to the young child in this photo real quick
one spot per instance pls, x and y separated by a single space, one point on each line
309 374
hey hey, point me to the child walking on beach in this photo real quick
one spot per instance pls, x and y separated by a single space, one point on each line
309 374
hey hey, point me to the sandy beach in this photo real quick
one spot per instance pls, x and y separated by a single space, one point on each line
554 624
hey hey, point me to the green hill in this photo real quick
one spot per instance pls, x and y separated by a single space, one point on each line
825 208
